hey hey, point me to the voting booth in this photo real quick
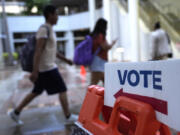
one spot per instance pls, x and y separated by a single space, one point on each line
139 98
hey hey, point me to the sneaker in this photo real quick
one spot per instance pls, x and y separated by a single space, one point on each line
15 117
72 119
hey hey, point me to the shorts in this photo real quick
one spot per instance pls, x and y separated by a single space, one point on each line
51 81
97 64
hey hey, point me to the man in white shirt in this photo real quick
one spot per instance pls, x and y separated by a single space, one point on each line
160 48
45 74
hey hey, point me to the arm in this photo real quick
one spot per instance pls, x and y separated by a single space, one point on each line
38 51
103 42
106 46
60 56
153 48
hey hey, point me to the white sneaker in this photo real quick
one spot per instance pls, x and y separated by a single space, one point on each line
72 119
15 117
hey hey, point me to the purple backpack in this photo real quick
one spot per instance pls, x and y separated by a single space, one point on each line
83 52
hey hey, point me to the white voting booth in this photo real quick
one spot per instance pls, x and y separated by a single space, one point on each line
156 82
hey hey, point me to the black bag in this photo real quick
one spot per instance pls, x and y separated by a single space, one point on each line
170 55
27 52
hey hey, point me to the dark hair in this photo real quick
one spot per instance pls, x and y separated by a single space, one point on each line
100 27
49 9
157 25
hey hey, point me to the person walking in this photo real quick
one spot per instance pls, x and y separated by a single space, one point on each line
160 47
100 48
45 74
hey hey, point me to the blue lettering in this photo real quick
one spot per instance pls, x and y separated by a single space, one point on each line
133 78
156 79
136 82
122 80
145 73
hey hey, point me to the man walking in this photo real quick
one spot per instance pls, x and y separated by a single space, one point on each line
45 74
160 48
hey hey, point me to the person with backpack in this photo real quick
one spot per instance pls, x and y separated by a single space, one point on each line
100 48
45 74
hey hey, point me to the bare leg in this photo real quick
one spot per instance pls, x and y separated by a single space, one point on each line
26 101
102 75
64 103
96 77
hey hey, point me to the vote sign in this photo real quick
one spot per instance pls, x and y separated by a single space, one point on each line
154 82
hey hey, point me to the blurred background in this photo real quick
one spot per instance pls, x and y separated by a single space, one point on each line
129 21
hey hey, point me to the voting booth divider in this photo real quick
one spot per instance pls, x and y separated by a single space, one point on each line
128 116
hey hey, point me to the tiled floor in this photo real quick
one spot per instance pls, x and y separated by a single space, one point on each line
44 115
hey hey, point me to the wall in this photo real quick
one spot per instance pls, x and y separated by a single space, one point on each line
65 24
119 29
1 47
1 50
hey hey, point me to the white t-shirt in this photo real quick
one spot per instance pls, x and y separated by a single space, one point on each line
159 44
48 57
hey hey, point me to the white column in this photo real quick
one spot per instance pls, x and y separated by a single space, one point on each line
1 46
134 29
92 9
69 48
6 32
1 52
107 16
11 41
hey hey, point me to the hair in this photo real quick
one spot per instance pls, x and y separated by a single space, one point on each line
100 27
49 9
157 25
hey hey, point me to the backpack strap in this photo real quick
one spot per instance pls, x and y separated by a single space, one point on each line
48 33
97 51
47 28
